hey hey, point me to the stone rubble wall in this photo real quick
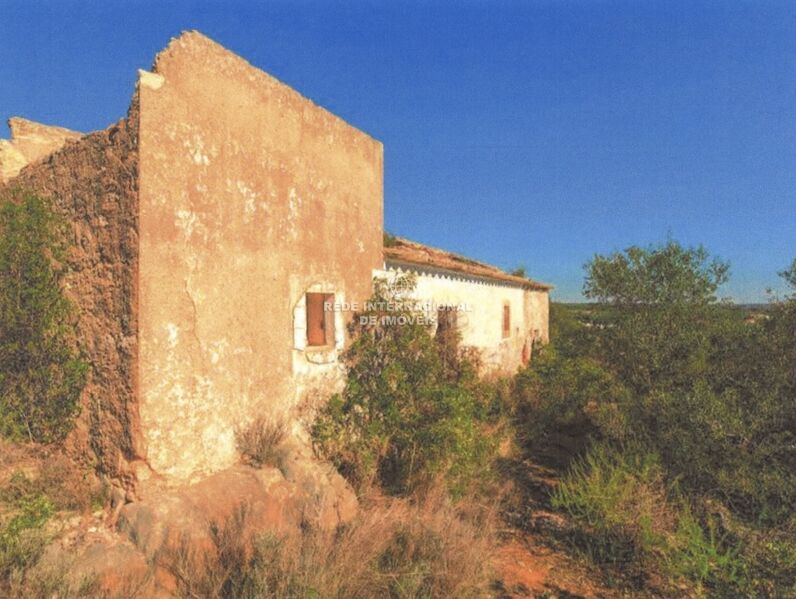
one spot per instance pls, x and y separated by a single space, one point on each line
93 182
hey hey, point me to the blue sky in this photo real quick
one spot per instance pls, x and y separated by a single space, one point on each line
536 133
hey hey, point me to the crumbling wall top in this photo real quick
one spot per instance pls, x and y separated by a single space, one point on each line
29 143
192 52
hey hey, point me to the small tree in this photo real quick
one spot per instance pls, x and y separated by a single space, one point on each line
664 275
789 274
663 302
41 375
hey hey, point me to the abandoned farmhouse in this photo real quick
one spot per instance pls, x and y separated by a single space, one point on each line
212 227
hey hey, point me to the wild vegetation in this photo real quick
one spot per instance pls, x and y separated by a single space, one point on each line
260 442
41 373
413 410
666 420
397 547
679 420
41 377
39 487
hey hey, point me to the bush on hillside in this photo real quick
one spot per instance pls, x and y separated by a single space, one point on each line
574 397
668 368
41 373
681 399
412 409
23 539
629 518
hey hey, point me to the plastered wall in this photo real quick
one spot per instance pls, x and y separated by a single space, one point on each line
480 323
250 195
537 313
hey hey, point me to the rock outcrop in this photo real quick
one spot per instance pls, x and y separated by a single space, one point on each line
134 555
309 493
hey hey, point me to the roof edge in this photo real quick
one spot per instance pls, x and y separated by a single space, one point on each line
416 255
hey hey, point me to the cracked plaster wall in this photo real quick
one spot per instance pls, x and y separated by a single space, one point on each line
249 195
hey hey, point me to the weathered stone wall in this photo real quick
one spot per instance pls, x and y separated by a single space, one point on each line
250 196
93 183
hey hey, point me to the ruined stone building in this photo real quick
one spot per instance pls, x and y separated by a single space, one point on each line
210 226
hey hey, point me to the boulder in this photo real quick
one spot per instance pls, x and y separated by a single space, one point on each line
87 553
308 493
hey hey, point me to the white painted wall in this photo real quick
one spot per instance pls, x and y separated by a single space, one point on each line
481 325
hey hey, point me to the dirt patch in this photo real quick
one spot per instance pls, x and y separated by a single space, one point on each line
534 560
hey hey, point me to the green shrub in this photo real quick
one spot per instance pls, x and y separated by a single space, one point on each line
22 539
659 366
660 363
575 396
718 444
411 411
572 328
627 515
619 502
699 553
41 375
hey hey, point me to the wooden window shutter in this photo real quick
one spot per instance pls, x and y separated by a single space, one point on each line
320 321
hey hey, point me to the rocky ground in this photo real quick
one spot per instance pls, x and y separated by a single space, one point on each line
96 536
116 545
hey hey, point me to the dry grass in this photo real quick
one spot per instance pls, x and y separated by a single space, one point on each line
38 484
55 584
260 442
55 476
395 548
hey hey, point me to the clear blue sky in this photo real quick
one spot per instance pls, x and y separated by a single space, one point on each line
533 133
